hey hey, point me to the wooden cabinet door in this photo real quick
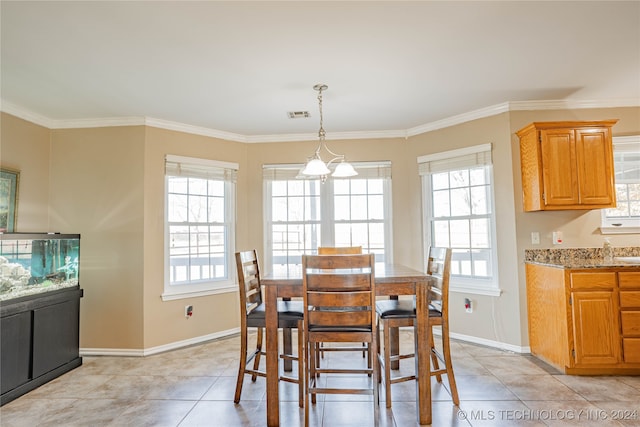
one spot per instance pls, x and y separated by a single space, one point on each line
55 336
594 165
560 179
15 342
596 329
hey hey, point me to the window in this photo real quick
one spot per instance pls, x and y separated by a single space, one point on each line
625 218
302 214
199 227
458 213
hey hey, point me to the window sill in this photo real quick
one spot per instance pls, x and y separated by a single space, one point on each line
466 289
195 294
620 230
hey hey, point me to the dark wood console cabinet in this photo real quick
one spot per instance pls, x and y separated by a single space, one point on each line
39 340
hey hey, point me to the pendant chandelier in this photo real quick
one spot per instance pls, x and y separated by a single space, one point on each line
315 165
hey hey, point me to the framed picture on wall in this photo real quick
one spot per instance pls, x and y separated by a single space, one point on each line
8 199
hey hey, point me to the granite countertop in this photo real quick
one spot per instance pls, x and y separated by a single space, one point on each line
583 258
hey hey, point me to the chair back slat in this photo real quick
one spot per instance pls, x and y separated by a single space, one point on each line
439 268
336 250
343 319
249 280
339 299
334 262
339 282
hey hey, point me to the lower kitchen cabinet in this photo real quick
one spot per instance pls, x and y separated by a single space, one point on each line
585 321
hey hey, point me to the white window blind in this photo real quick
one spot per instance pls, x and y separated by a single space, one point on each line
464 158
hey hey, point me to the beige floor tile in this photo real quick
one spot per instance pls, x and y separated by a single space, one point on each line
195 386
601 388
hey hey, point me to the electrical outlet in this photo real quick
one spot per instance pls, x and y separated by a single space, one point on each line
467 305
188 311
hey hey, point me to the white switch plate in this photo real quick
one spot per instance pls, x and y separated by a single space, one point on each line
557 237
535 238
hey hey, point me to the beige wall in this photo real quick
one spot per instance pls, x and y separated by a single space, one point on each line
108 185
25 147
97 190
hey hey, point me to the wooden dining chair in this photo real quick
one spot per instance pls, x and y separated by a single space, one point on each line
252 315
342 250
339 307
402 313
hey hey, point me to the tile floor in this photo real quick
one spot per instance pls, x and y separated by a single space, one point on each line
194 387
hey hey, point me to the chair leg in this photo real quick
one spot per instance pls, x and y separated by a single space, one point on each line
313 375
446 350
310 357
374 379
317 353
387 362
242 365
434 356
301 358
256 360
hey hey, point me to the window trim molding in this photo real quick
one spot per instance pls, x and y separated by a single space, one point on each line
209 287
632 227
459 284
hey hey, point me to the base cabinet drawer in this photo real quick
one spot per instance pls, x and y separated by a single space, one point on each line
629 299
629 279
630 323
631 350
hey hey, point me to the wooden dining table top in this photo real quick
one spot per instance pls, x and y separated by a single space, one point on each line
391 279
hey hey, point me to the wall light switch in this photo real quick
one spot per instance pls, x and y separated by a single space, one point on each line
535 238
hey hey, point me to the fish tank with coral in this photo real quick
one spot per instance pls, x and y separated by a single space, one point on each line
35 263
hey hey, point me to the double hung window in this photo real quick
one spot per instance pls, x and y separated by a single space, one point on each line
302 214
625 217
199 226
458 213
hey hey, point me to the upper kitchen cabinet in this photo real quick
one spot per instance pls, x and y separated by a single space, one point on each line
567 165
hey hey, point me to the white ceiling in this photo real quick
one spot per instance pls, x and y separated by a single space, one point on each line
239 67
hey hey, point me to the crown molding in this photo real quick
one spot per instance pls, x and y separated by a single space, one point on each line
460 118
481 113
21 113
195 130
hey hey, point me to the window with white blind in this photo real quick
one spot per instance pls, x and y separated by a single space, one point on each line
625 217
199 226
458 212
302 214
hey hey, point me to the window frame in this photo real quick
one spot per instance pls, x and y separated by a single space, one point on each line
452 160
326 221
220 171
631 225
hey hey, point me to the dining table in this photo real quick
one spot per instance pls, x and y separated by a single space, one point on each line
391 280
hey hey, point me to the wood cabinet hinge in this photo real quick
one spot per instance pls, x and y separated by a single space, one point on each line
573 353
570 300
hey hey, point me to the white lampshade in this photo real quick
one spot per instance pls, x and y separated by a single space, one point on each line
316 167
343 170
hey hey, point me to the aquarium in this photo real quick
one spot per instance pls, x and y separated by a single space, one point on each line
34 263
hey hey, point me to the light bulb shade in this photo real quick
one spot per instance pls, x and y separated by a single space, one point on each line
343 170
316 167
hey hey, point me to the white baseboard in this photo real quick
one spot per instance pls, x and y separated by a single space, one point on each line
485 342
158 349
197 340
